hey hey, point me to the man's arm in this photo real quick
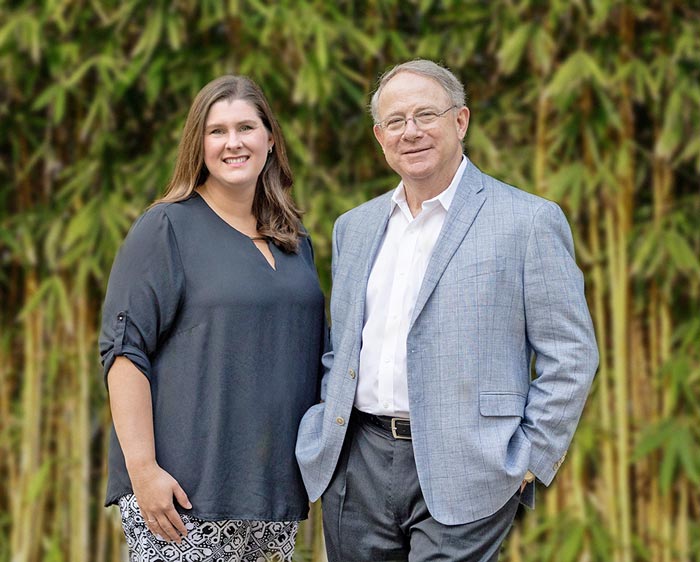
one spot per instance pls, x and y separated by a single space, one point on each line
328 356
560 333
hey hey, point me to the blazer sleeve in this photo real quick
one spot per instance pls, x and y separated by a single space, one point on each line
308 252
328 355
145 288
560 333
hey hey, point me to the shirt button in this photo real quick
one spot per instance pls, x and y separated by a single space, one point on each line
120 317
351 373
340 421
386 405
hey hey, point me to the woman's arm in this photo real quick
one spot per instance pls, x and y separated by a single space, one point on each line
154 488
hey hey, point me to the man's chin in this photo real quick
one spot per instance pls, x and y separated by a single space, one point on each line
417 170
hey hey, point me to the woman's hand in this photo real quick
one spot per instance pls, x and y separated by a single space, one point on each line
155 489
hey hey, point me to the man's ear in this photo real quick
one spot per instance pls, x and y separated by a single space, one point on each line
379 135
462 121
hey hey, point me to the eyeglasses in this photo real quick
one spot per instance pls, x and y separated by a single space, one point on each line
422 119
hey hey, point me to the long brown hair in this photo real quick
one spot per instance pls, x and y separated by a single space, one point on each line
278 218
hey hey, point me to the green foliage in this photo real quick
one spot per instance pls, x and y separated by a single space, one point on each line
593 104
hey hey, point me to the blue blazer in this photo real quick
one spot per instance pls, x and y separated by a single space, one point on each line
501 286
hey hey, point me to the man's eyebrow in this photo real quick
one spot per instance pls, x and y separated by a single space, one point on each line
426 107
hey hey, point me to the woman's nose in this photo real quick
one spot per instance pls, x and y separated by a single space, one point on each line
233 140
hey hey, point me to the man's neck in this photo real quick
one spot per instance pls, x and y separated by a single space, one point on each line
419 191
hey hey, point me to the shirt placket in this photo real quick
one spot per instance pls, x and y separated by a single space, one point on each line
394 335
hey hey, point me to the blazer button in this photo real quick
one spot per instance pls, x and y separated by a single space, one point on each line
559 462
340 421
352 374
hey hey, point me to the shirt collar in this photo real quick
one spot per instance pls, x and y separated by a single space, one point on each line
444 198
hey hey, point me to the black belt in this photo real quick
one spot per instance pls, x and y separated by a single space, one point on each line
398 428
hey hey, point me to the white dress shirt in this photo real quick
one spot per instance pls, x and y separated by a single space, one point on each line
392 290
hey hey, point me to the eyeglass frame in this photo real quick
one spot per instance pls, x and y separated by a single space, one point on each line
382 124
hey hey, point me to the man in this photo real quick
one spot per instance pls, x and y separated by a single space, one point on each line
431 428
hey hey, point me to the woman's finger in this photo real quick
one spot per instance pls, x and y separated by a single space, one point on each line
181 497
167 531
151 523
176 521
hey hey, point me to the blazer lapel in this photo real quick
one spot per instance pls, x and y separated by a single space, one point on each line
466 204
374 224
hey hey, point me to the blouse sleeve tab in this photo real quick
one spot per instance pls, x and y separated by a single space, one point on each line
119 331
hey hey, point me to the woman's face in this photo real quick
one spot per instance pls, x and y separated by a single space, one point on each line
236 144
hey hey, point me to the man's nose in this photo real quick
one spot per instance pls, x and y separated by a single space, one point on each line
412 130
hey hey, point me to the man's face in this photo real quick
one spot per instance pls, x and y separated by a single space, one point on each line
423 155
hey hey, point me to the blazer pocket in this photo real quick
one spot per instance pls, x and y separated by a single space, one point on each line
502 404
483 267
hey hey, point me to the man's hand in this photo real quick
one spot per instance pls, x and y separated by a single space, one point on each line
529 477
154 489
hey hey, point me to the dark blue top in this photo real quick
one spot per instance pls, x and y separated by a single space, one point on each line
231 348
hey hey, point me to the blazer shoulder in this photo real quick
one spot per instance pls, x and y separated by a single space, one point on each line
368 208
505 194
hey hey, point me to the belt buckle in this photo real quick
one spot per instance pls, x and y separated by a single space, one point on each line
393 430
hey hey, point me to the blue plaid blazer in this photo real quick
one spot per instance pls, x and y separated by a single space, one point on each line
502 286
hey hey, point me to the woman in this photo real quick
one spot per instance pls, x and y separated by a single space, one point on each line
213 328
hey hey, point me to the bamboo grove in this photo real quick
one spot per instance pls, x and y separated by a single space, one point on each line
592 103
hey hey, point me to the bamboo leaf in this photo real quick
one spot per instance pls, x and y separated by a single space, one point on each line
542 47
672 132
321 47
649 245
570 549
47 97
690 457
175 31
513 47
653 438
151 34
579 68
38 481
58 107
684 258
669 465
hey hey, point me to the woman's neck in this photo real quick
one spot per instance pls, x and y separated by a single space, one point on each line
233 207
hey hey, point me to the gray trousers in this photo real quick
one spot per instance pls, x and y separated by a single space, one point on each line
374 510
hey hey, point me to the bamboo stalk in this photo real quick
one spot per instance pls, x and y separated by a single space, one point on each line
7 456
101 541
640 409
682 538
514 545
24 504
80 465
318 553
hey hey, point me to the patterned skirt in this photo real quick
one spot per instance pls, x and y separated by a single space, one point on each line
208 541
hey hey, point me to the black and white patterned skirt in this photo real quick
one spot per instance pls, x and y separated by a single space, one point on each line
208 541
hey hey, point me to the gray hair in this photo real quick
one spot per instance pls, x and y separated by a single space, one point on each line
449 82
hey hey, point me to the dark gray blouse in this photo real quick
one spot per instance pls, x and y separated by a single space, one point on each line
232 351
